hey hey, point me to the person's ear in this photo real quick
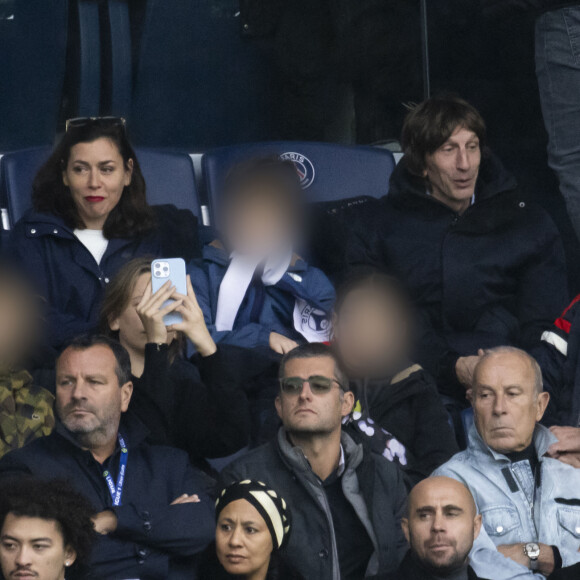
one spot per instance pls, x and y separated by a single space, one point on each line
129 172
542 404
347 403
278 404
65 178
476 526
70 556
126 392
115 324
405 527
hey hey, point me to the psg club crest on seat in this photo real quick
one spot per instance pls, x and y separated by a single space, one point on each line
303 166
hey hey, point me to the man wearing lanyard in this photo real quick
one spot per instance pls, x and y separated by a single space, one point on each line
153 512
529 503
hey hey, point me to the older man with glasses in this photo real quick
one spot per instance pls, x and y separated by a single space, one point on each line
346 504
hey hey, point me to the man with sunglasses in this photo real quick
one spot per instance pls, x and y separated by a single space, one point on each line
346 503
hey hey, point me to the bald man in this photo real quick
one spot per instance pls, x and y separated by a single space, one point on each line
529 502
441 525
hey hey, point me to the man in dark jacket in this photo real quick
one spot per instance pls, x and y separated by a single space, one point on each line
441 525
152 511
483 266
346 503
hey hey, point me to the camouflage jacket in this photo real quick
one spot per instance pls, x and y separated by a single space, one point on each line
26 411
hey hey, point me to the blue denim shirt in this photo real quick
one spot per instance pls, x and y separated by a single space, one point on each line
509 517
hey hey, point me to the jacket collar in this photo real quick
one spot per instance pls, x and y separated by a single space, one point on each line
543 438
410 190
351 453
132 429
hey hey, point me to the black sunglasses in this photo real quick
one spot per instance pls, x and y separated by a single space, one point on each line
101 121
319 385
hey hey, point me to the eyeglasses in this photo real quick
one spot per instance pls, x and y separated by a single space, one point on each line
318 385
102 121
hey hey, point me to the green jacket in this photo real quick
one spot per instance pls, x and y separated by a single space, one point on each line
25 410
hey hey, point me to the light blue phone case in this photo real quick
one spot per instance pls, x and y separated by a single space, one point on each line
173 269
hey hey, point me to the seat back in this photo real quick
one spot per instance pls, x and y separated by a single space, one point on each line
327 172
169 177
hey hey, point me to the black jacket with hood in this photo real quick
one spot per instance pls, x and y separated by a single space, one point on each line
407 408
494 275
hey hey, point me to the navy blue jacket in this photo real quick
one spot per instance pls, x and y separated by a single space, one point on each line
65 273
153 540
558 354
265 309
502 8
494 275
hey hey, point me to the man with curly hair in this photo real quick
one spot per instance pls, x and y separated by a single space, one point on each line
46 530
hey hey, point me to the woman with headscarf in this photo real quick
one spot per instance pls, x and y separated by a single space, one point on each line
252 528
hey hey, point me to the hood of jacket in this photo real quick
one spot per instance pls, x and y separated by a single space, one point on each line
295 459
495 186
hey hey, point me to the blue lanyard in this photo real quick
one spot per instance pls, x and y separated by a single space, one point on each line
117 492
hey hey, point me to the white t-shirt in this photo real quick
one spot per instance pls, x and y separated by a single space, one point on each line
94 241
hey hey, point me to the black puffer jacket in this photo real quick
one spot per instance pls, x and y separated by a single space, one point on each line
405 420
494 275
501 8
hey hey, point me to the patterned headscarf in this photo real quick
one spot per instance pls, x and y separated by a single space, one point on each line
269 504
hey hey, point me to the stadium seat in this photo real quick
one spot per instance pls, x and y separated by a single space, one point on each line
328 172
169 177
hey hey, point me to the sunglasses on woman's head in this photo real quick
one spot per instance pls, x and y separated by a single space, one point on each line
319 385
78 122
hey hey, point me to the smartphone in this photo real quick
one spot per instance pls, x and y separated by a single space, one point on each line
172 269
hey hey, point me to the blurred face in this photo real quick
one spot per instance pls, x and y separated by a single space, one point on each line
33 548
89 399
132 333
370 333
505 404
96 176
453 169
243 542
442 524
20 321
258 223
307 413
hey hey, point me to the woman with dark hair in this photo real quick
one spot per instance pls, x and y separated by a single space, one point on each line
197 405
90 216
253 524
398 409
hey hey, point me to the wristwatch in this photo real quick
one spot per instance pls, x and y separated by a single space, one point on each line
532 551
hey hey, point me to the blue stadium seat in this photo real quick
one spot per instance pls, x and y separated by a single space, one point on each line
169 177
328 172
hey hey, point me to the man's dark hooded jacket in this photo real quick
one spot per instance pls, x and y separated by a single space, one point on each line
407 407
153 540
494 275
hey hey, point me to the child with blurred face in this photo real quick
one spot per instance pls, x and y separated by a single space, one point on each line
397 404
254 289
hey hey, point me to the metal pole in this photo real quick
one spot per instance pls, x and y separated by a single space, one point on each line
425 50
